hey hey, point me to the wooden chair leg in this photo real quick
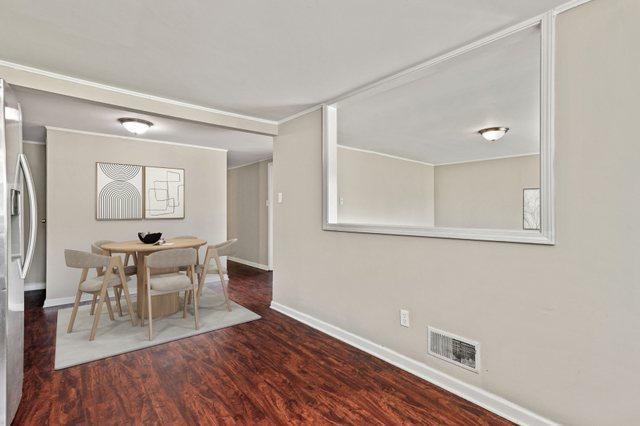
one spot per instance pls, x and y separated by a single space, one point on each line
190 274
195 306
74 312
150 316
109 307
203 276
96 320
186 302
93 303
118 293
141 305
196 300
224 290
127 298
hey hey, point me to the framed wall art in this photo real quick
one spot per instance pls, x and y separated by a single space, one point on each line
119 193
164 193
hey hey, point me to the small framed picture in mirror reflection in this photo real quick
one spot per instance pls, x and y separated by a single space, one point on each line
531 209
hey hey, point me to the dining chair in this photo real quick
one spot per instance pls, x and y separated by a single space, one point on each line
129 271
215 252
98 286
170 282
189 237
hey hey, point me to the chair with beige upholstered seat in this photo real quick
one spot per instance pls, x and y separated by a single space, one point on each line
189 237
129 271
99 285
215 252
171 282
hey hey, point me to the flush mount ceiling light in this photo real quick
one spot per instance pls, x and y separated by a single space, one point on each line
136 126
492 134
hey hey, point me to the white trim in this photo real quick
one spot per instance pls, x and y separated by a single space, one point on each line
250 164
547 128
249 263
119 90
478 396
33 142
546 236
34 286
300 114
395 157
567 6
84 132
496 235
133 290
48 302
506 157
329 164
270 215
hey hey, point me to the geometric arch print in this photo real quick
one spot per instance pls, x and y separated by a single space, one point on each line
118 191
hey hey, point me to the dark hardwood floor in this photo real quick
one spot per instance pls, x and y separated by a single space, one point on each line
271 371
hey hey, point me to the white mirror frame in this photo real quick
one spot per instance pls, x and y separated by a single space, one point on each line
547 193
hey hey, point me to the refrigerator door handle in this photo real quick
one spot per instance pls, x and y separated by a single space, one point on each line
33 216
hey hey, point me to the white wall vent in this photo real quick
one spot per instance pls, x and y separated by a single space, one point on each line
455 349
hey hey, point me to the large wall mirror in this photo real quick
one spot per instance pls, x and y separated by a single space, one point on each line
458 147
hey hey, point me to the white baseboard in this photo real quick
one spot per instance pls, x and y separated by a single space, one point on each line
49 302
34 286
487 400
249 263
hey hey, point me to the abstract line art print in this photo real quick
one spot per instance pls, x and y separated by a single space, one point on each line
118 191
164 193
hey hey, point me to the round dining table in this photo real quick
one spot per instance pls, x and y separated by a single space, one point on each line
165 304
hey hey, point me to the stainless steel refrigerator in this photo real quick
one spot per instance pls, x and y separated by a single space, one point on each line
16 254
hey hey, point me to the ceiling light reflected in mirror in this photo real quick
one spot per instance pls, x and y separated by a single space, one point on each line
493 134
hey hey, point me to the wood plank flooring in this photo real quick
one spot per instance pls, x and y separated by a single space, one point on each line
271 371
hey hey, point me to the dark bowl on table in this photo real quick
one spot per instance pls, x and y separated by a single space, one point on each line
149 237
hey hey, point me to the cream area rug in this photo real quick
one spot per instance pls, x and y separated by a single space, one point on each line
119 336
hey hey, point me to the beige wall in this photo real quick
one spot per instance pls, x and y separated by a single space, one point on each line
71 196
558 324
383 190
247 212
37 156
484 194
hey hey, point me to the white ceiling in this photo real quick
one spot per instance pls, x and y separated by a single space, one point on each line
267 59
41 109
434 115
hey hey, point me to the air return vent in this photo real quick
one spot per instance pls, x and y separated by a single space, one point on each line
455 349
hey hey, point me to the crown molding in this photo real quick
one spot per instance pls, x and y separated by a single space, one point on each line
395 157
249 164
182 145
300 114
504 157
39 79
568 6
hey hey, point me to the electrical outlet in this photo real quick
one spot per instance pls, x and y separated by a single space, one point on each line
404 318
279 197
